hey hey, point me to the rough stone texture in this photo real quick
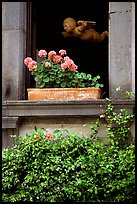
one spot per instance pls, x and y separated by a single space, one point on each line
13 50
7 139
9 122
120 47
24 108
13 16
119 6
12 63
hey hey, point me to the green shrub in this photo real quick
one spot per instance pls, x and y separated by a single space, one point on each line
67 167
118 125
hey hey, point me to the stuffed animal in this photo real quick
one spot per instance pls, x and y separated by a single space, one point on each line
82 30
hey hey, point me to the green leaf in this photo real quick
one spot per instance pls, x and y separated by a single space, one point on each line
63 84
46 79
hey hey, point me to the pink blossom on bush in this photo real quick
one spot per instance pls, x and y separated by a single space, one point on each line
73 67
42 53
32 65
47 64
48 135
68 61
51 54
62 52
27 60
64 65
66 58
57 59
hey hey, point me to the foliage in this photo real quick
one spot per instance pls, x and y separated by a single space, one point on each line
125 94
118 124
65 166
59 71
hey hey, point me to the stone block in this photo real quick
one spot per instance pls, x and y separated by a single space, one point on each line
12 15
120 51
13 65
119 7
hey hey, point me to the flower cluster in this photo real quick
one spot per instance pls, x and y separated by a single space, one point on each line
53 57
48 135
58 70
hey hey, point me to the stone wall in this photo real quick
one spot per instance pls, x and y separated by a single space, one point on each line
13 50
20 117
121 47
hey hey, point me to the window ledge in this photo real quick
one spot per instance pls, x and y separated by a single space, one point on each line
23 108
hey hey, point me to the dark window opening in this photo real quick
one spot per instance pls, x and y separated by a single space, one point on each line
47 22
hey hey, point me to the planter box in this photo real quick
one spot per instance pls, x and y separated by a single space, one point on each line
64 93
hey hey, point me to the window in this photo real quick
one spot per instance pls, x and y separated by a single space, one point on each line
47 25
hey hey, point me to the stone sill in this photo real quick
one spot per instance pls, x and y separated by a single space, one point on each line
25 108
13 111
19 116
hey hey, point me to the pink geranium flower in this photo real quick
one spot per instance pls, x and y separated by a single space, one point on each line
57 59
48 135
62 52
42 53
32 65
68 61
51 54
64 65
47 64
73 67
27 60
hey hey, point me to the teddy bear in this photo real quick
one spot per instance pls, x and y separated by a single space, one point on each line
83 30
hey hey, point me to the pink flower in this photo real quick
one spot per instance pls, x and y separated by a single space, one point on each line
62 52
42 53
27 60
57 59
51 54
64 65
73 67
66 58
68 61
48 135
32 65
47 64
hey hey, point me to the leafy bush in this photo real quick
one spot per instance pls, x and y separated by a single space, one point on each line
64 166
118 124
